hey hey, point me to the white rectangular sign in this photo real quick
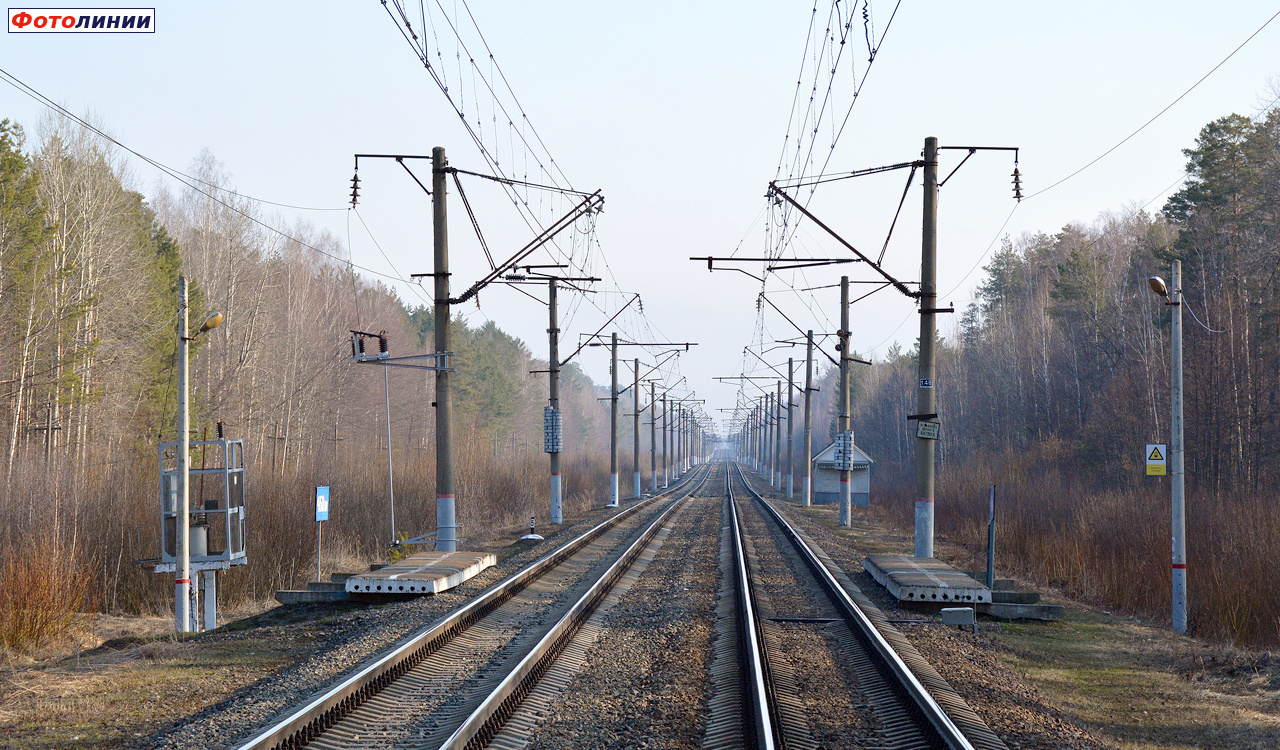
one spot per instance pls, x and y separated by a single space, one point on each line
1157 459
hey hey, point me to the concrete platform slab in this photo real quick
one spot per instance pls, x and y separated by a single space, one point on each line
1048 612
421 573
1015 597
311 597
925 580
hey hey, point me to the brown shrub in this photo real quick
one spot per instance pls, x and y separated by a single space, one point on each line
45 586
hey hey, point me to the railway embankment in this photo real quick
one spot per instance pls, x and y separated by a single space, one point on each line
1092 679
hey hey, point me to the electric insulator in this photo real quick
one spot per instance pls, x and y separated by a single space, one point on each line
355 188
219 426
1017 183
382 342
359 347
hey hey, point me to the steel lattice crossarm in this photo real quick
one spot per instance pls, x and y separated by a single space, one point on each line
899 285
591 203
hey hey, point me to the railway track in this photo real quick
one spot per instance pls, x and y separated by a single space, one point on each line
488 674
755 701
454 684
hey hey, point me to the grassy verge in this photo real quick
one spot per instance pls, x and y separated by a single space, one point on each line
120 696
1144 687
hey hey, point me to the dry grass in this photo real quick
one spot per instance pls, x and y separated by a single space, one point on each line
117 698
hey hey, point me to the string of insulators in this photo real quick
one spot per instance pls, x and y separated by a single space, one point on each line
355 188
1017 183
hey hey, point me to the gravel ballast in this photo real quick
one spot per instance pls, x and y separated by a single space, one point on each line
643 682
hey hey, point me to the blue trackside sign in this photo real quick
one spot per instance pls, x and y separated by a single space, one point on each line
322 503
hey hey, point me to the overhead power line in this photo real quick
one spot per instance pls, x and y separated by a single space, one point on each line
14 81
1157 115
584 250
194 183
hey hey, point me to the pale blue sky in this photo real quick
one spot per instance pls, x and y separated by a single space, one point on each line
678 112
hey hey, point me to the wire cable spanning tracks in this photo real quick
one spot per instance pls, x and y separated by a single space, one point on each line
309 721
908 712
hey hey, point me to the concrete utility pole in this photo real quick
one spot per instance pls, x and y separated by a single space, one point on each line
846 497
753 436
757 445
691 439
926 399
666 471
446 518
678 436
391 478
766 436
613 426
182 572
791 438
653 438
682 438
808 421
1176 457
777 438
760 435
635 433
553 364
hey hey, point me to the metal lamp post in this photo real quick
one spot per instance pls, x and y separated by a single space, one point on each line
1173 294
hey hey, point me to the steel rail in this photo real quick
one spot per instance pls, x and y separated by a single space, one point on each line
752 655
310 719
486 720
939 721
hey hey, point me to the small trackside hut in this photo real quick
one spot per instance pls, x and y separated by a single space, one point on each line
826 477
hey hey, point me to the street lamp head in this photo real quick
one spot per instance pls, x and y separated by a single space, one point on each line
1158 286
213 321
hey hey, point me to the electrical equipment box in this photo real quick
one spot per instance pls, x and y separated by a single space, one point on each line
217 507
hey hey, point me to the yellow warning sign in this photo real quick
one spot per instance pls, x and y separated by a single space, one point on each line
1157 459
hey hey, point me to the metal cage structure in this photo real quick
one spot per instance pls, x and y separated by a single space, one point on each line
217 508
